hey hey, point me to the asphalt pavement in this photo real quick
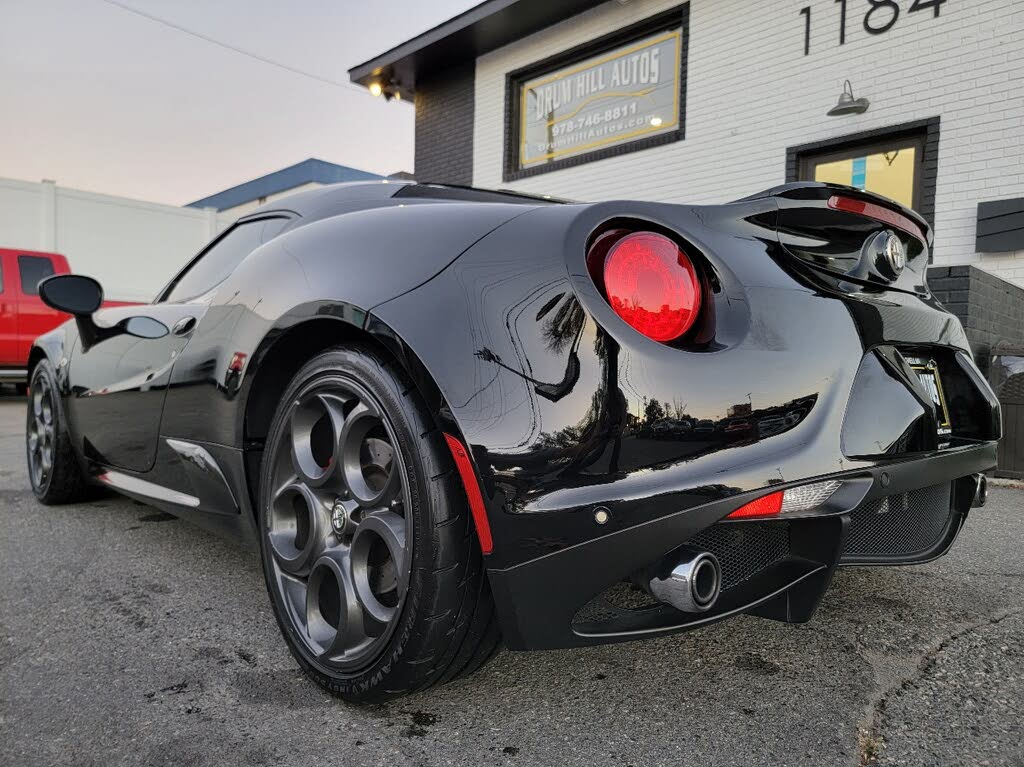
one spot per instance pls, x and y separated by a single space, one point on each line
129 637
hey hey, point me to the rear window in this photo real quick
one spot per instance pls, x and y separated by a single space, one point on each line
34 269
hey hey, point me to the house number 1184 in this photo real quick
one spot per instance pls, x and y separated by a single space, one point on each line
880 17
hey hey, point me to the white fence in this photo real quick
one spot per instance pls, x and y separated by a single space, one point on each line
131 247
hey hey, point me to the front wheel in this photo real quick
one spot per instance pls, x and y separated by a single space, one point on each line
53 466
368 549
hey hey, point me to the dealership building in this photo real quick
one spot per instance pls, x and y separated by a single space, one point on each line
713 100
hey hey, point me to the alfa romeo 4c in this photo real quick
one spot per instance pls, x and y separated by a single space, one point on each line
450 419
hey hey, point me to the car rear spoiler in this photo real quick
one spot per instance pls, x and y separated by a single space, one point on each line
844 233
876 206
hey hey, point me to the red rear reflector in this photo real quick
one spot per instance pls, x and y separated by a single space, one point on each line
765 506
652 285
878 213
472 488
237 362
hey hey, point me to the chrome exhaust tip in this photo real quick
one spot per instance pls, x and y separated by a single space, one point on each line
693 584
980 491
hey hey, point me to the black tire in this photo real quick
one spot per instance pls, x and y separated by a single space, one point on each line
444 626
53 467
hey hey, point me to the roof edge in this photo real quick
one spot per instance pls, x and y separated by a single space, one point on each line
477 31
435 34
311 170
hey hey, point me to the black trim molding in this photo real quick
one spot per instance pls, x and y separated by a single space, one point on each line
928 130
670 19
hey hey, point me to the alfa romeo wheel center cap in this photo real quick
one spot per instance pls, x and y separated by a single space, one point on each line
339 517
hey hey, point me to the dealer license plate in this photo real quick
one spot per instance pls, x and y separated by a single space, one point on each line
928 372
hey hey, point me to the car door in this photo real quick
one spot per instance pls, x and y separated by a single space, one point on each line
34 317
119 385
8 314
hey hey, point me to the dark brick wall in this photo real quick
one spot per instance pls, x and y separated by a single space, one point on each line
444 126
991 309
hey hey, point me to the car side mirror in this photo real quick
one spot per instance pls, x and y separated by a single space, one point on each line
144 327
75 294
79 296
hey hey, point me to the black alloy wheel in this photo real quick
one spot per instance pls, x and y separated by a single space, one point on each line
337 523
53 467
368 550
41 432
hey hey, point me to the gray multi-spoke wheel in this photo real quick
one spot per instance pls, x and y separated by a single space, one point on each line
367 545
40 431
53 467
337 530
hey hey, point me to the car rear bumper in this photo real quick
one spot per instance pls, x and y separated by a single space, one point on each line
560 599
906 486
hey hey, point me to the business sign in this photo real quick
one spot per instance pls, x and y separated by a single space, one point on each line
616 97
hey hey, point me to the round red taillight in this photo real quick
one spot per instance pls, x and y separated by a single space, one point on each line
652 285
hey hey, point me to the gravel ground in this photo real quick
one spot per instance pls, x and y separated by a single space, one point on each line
128 637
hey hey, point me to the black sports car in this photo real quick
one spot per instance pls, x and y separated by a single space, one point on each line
449 418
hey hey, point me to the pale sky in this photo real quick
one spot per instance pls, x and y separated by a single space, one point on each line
101 99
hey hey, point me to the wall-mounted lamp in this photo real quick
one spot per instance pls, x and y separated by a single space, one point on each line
389 90
848 105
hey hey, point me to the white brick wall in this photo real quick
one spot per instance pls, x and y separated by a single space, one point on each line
752 93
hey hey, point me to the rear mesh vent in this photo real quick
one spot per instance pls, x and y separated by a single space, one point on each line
614 603
899 526
744 548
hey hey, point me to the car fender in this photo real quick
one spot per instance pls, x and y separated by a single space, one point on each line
55 346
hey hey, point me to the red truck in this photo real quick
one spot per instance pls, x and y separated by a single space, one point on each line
23 315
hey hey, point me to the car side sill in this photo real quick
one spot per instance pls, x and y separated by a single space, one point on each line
136 487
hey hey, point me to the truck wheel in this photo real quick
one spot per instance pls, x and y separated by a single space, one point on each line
368 548
53 467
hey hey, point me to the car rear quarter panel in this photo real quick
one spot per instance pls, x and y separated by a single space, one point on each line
337 268
497 331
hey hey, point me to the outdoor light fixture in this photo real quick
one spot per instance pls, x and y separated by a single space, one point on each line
389 90
848 105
